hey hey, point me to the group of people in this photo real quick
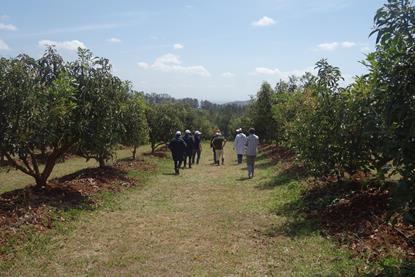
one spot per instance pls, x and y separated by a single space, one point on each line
187 149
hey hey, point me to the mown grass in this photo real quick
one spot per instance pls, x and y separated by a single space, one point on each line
29 242
210 221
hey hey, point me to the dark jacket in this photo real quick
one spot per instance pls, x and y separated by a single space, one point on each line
198 140
178 148
189 142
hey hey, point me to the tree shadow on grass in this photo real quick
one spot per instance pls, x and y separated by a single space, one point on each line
292 174
393 267
355 215
33 206
261 165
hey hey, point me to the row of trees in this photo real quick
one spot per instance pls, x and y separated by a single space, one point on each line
367 126
166 115
49 107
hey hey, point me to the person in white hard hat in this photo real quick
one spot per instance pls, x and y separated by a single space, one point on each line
188 138
197 147
239 145
178 148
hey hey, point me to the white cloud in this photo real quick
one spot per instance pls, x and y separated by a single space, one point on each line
8 27
172 63
228 75
114 40
71 45
331 46
281 74
4 17
328 46
264 21
347 44
3 45
143 65
178 46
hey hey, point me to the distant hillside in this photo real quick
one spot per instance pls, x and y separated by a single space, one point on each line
239 103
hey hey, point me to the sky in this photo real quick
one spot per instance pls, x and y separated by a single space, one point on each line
216 50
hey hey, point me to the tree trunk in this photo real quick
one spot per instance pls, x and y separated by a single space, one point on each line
134 151
153 148
101 162
42 179
40 182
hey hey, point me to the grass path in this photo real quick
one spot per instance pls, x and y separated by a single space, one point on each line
210 221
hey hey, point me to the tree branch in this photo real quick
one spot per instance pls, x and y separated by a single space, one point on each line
34 162
19 166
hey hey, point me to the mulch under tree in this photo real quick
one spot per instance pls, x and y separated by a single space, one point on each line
37 207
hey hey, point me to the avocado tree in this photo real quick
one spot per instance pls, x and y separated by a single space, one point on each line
135 122
37 104
392 75
101 97
318 129
260 112
163 122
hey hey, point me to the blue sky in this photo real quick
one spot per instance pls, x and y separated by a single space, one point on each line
219 50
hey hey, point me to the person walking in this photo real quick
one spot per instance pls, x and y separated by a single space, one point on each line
211 145
251 151
219 143
197 147
188 138
239 145
177 147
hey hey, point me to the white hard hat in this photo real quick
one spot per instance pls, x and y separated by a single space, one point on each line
187 132
178 133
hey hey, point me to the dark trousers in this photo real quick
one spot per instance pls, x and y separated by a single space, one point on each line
186 158
177 165
240 156
196 156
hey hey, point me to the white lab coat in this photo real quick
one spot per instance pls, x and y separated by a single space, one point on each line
239 144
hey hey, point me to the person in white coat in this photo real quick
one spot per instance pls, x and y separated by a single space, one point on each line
251 151
239 145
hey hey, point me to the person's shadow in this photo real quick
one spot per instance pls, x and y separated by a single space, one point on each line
169 174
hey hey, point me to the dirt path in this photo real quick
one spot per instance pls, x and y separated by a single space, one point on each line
208 221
